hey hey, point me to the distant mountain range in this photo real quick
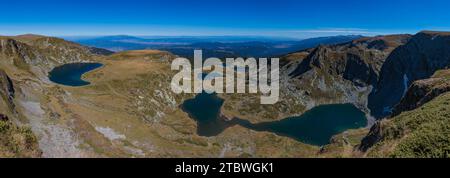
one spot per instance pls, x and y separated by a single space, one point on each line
212 46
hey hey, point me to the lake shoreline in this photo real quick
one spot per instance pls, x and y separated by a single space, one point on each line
71 74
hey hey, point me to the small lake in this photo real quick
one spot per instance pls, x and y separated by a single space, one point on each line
315 126
205 109
70 74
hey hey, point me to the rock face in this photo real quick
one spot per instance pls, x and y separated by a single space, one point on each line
127 110
423 91
424 54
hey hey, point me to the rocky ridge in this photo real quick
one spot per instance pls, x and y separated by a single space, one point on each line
328 74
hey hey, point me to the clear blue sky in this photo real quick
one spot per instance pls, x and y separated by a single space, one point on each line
292 18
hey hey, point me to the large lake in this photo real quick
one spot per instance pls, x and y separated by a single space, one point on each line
315 126
70 74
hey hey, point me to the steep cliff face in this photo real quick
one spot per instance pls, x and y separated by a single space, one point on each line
328 74
40 53
128 110
425 53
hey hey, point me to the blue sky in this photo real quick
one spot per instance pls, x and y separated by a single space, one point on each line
287 18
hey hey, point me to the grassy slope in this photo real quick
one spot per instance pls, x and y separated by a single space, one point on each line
16 141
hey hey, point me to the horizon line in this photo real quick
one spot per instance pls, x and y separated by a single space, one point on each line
369 34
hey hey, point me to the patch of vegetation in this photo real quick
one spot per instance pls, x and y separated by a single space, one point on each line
424 132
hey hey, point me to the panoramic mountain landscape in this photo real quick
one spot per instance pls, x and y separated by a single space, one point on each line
121 105
351 79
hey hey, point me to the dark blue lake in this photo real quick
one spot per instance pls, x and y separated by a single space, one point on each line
70 74
315 126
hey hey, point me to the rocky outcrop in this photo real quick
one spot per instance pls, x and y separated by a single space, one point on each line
424 54
3 117
423 91
372 137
